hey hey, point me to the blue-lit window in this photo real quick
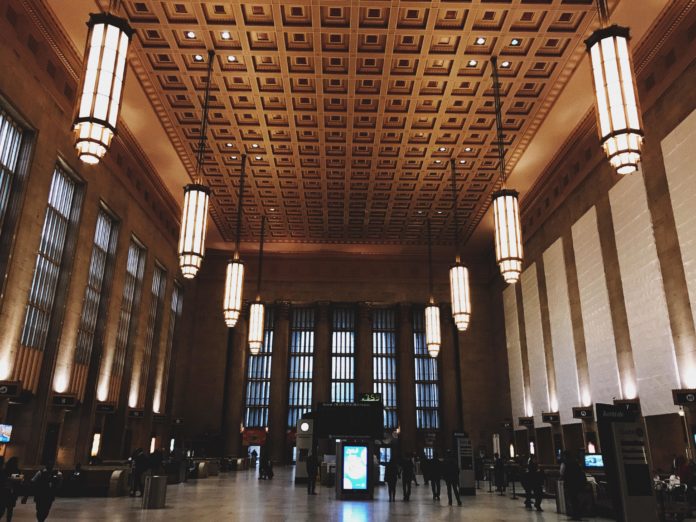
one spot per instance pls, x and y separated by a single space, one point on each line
427 389
258 386
384 361
343 355
301 364
10 148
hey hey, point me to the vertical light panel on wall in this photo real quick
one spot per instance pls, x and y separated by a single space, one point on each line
679 155
562 340
644 296
514 354
600 345
536 357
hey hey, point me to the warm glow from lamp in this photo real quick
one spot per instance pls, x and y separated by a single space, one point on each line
586 398
234 281
433 337
512 451
508 234
629 389
256 312
60 381
153 444
194 224
102 85
554 405
618 115
96 443
461 296
591 448
532 448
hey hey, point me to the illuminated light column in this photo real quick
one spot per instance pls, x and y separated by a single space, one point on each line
194 219
433 336
101 87
506 209
459 275
618 114
256 312
234 282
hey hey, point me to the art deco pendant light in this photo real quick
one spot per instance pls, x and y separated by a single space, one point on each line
101 88
459 275
194 220
256 312
433 338
506 210
618 114
234 278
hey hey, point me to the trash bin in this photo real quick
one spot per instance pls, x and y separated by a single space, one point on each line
155 493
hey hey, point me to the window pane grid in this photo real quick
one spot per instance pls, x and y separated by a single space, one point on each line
426 377
10 144
301 364
343 355
157 295
102 252
384 362
258 387
48 260
134 275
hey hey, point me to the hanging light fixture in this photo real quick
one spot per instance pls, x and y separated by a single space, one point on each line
256 312
506 210
618 114
194 220
101 87
459 274
433 338
234 280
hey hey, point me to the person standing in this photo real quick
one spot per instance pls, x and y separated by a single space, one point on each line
451 476
139 463
416 467
435 475
574 480
406 477
499 474
46 483
312 470
391 475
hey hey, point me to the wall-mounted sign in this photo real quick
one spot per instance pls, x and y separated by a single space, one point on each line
65 401
527 422
106 407
684 397
136 414
583 412
370 397
10 388
551 417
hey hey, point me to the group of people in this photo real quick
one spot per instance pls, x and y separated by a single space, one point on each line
434 471
43 486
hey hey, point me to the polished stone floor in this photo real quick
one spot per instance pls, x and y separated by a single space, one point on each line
240 496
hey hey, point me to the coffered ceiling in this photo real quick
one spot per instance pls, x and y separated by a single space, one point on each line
349 112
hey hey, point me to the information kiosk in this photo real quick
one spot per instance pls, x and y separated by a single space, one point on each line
465 459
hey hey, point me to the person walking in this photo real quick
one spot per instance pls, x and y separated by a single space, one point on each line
451 475
312 470
435 475
574 480
406 477
139 464
10 483
391 475
416 468
425 468
45 483
535 484
499 474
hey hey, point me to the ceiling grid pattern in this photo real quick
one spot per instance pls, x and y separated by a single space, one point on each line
356 107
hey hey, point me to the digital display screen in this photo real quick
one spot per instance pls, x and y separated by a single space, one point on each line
355 467
5 433
594 460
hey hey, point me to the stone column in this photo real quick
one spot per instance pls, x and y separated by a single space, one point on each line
278 408
447 367
406 374
321 389
363 351
233 399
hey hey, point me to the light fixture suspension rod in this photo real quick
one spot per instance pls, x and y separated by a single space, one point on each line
204 120
240 204
603 12
498 117
454 206
430 261
258 277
